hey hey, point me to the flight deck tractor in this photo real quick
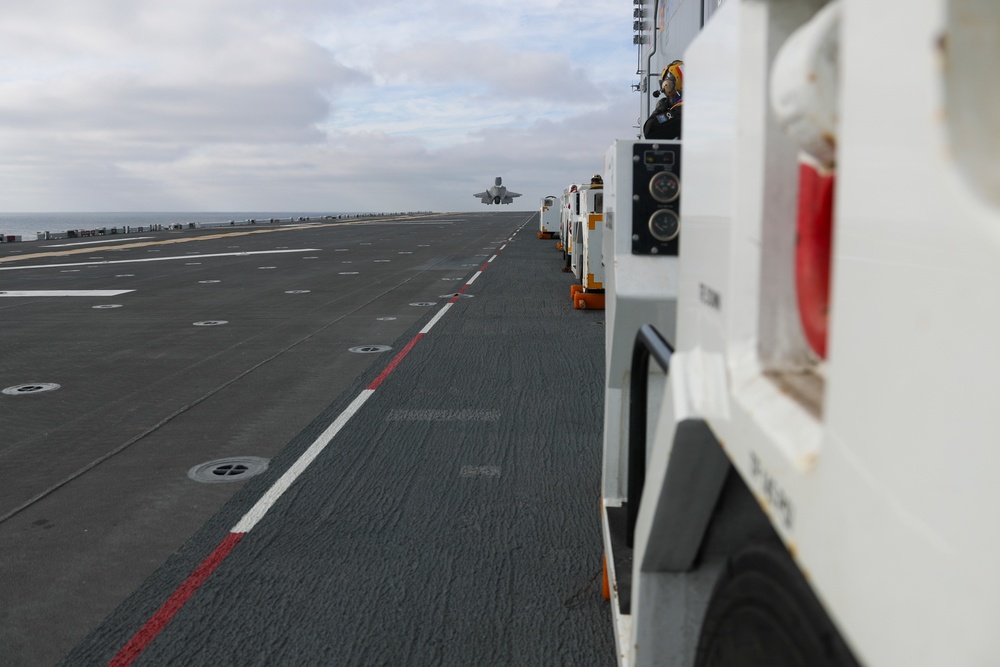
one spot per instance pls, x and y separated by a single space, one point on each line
589 292
800 441
569 212
548 218
577 225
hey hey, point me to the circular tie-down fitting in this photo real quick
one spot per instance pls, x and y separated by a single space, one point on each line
370 349
30 388
235 469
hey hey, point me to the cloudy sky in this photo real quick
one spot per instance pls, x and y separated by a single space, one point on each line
321 105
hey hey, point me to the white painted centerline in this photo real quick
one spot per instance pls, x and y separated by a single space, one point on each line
258 511
434 320
156 259
67 292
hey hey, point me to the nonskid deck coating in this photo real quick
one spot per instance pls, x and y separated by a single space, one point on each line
398 562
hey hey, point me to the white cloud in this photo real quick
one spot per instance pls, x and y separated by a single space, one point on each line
496 70
307 104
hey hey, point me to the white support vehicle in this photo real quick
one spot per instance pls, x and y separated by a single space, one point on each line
589 293
811 477
569 211
576 226
548 217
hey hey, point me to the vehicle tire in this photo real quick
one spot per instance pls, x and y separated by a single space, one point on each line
763 614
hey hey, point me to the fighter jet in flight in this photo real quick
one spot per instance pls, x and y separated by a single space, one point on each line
498 194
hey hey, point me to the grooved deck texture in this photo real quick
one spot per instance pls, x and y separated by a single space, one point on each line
453 521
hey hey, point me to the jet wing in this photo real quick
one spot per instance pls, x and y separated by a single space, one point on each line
509 197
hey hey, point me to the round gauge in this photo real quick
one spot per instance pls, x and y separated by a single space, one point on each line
664 225
664 186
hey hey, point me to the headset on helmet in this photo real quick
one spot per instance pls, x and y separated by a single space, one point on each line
676 71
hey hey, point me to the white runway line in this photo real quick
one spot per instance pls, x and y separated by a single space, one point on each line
66 292
156 259
272 495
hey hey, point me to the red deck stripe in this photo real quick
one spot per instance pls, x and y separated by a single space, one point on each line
395 362
141 639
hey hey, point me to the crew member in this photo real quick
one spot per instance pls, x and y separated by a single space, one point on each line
665 121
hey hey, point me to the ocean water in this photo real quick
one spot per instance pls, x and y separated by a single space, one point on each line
28 224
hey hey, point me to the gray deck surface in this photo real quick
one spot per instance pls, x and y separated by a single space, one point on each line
454 520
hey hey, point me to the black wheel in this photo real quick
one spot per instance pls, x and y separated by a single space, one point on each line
763 614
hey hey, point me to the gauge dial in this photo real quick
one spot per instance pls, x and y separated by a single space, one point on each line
664 225
664 186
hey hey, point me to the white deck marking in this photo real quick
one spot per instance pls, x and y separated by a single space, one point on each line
70 245
434 320
431 415
156 259
273 494
67 292
426 222
479 471
257 512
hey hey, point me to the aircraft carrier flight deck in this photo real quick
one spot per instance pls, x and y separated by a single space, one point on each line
351 442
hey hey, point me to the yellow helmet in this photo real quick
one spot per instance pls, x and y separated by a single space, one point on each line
675 71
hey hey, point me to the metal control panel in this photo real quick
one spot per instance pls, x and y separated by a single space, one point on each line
656 198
